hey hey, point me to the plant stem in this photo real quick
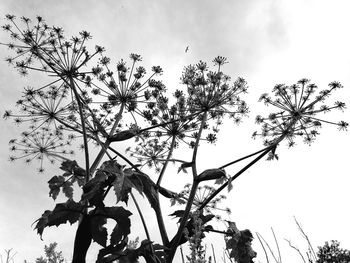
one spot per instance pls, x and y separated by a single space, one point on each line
86 149
178 235
234 177
141 216
161 225
212 248
166 162
182 255
107 142
243 158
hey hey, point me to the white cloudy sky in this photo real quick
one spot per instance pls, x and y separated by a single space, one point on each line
266 42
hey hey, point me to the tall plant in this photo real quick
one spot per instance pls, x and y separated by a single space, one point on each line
92 101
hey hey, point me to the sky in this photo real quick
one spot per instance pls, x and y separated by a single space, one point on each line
266 42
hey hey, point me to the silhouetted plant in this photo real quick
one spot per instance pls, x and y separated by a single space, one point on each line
331 252
51 255
105 104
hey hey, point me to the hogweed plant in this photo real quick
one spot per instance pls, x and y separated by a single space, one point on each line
92 101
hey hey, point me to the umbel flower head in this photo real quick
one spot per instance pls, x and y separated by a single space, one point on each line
202 193
151 153
299 112
211 91
179 122
40 145
43 108
126 89
207 92
43 48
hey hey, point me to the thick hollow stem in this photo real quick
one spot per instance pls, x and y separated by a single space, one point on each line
83 239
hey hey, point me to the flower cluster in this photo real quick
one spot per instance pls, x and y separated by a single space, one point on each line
125 90
174 122
152 153
43 48
202 193
44 108
39 145
212 92
298 110
207 92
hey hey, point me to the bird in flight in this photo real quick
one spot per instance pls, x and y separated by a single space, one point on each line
187 48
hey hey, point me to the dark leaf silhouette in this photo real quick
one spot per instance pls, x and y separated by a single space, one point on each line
69 211
239 244
98 230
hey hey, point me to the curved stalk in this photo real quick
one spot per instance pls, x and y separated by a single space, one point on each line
86 149
141 216
234 177
166 161
243 158
179 233
107 142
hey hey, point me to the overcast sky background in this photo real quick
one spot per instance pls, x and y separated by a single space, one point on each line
266 42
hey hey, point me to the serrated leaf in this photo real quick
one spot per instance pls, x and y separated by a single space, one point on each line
98 230
149 189
72 167
93 190
239 244
121 216
67 189
42 223
111 166
122 187
55 184
220 180
111 252
69 211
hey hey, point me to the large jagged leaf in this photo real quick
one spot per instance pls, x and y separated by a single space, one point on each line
67 189
55 184
69 211
94 189
122 186
123 254
72 167
121 216
148 188
73 173
124 180
98 230
111 252
239 244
